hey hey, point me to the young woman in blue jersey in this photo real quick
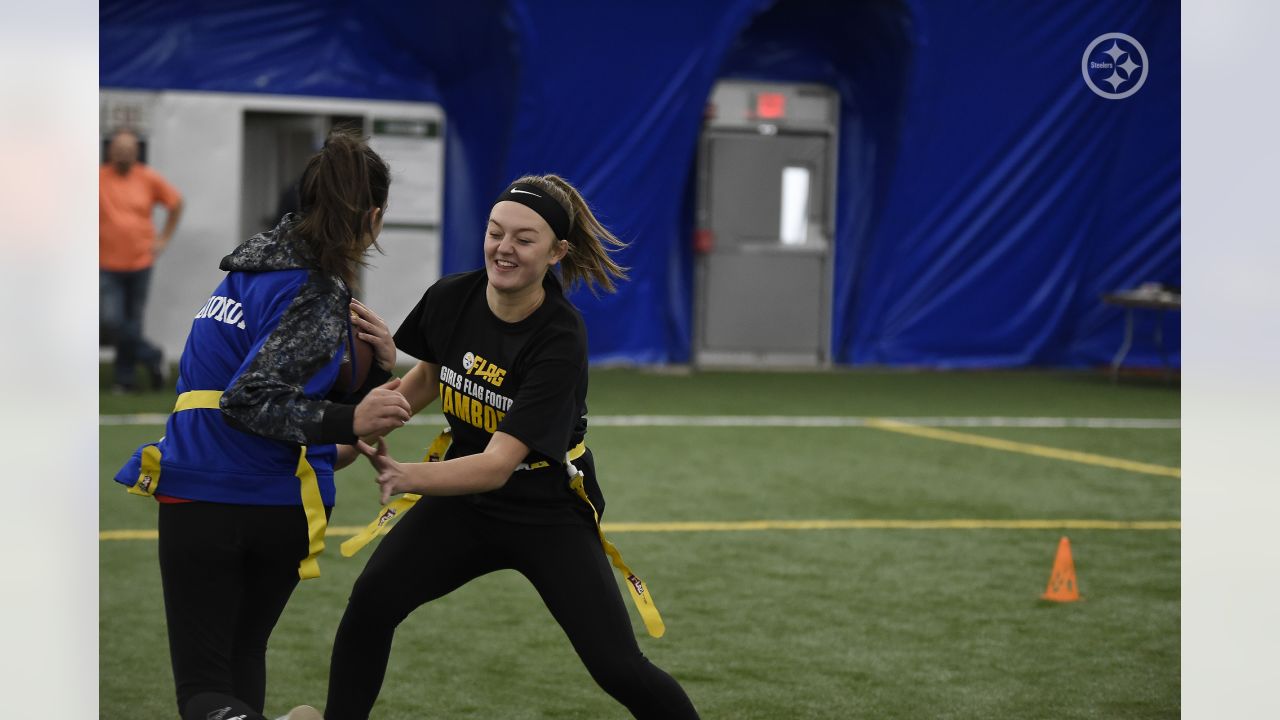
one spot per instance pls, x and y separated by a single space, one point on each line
506 353
244 473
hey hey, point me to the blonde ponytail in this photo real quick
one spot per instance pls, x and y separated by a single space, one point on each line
589 258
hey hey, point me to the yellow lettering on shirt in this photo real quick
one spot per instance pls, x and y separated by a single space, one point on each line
470 401
486 370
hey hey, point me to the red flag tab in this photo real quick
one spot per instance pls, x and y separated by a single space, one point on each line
771 105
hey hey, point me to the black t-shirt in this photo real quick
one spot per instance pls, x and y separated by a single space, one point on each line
527 379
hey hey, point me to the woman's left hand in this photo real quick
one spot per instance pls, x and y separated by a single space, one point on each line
373 329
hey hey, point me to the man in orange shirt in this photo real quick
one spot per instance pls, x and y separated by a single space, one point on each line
128 191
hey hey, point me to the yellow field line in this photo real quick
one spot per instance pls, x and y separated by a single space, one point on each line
128 535
869 524
739 525
1024 448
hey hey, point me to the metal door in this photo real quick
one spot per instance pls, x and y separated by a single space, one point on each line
277 146
764 243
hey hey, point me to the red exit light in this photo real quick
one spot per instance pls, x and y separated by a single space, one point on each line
770 106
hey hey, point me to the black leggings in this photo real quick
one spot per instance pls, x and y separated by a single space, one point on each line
439 546
227 572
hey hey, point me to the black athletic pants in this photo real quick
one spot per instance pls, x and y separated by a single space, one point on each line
437 547
227 572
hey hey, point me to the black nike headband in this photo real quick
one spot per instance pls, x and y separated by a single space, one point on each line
538 200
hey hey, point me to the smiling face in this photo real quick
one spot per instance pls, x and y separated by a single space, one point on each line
519 247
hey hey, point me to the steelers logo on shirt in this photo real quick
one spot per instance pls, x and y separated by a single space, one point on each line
468 360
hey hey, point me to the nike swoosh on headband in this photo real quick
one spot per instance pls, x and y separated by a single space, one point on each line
526 192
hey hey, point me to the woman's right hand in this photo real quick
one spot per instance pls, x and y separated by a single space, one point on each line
384 409
392 479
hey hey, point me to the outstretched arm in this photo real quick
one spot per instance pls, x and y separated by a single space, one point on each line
373 330
347 454
267 396
421 386
486 471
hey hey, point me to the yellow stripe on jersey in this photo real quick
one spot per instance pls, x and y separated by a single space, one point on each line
309 484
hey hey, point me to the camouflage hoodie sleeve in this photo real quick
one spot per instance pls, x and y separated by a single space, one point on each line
267 397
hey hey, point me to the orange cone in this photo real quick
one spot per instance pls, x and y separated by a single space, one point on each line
1062 583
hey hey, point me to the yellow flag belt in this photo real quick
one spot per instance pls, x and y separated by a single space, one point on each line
309 485
435 453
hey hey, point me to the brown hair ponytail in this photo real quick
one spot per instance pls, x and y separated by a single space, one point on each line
340 184
590 243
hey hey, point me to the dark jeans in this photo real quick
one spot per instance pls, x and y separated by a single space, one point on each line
440 545
227 572
122 300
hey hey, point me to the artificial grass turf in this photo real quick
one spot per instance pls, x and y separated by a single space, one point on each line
879 392
660 474
773 624
903 624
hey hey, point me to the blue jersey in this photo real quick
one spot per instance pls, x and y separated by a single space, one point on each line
262 355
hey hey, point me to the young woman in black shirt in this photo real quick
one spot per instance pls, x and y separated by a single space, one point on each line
506 354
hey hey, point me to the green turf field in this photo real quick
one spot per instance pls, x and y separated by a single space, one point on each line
852 622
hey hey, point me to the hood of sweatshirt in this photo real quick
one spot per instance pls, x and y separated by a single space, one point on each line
269 250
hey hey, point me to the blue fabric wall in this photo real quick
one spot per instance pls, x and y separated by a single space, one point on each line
986 197
1018 196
